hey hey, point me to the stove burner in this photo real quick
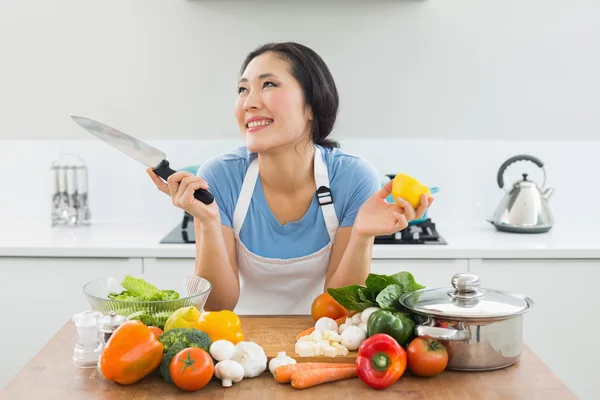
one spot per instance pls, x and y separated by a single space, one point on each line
421 233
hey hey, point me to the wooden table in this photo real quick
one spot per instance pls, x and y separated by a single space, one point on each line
51 375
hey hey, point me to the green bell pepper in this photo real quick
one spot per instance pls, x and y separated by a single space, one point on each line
396 324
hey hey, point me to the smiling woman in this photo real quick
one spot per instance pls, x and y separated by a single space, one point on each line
293 214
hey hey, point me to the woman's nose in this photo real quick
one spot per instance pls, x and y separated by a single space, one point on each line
252 101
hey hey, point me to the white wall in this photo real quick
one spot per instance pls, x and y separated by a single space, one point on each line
459 69
465 171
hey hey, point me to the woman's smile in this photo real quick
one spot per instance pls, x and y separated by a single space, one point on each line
255 124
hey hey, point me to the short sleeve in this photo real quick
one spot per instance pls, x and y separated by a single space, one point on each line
363 181
215 173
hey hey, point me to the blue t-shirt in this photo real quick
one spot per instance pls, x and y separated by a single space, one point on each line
352 181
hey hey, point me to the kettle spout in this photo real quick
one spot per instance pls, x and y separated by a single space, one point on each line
548 193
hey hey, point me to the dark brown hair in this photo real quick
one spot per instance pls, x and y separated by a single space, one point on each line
316 81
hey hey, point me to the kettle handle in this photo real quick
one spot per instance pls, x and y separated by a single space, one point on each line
521 157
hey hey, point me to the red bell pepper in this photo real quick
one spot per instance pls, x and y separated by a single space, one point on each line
381 361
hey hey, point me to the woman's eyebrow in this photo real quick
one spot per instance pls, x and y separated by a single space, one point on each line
261 76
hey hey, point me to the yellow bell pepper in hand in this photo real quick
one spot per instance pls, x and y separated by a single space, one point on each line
185 317
219 325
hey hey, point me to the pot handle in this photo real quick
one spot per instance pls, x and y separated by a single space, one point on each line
442 333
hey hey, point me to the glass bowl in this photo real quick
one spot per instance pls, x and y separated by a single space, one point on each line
193 291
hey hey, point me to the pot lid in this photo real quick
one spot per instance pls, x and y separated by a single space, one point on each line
466 300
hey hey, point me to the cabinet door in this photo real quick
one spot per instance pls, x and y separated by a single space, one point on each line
432 273
40 295
561 326
169 265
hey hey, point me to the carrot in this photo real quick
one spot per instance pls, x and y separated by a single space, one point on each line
338 321
314 377
284 373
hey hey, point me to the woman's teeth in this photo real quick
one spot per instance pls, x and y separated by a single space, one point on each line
262 122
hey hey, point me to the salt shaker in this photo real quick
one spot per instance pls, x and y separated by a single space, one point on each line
107 326
88 347
55 195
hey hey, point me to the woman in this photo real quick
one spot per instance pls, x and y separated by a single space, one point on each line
273 240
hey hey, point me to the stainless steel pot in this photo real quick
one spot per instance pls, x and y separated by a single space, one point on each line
482 329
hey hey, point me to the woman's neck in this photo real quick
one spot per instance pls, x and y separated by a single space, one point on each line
288 170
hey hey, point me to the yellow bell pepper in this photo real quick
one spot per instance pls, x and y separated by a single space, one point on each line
185 317
219 325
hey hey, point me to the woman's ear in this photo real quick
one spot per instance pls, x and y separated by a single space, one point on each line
308 112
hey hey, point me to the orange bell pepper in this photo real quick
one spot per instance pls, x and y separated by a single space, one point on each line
131 353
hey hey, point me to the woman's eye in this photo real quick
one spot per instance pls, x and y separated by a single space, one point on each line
269 83
241 89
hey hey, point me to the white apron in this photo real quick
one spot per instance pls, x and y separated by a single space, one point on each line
282 286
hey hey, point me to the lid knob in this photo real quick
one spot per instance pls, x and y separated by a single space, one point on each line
465 282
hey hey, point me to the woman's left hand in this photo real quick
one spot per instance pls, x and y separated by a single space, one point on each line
378 217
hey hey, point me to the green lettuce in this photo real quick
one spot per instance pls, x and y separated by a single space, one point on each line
137 289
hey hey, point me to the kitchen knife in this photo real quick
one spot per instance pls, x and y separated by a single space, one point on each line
138 150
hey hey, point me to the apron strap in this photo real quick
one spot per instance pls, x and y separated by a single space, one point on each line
324 195
243 203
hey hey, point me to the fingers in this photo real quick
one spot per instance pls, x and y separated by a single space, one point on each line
423 206
401 222
160 184
409 211
186 189
385 191
174 181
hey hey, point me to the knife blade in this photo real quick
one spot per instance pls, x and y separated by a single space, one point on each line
136 149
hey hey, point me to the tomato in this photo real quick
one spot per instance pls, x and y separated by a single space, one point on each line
191 369
325 306
156 330
426 357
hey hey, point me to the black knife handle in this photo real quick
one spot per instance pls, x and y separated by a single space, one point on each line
164 171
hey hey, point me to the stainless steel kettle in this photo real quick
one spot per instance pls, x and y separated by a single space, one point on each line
524 208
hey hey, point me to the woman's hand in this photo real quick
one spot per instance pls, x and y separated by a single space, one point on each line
181 186
378 217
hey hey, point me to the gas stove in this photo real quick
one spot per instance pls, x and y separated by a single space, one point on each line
423 232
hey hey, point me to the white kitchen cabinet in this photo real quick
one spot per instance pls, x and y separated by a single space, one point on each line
562 326
39 295
433 273
169 265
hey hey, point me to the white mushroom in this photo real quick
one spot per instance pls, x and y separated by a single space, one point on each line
252 357
326 324
352 337
222 350
364 317
228 372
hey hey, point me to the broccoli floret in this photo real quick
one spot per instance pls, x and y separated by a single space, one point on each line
190 337
178 339
165 364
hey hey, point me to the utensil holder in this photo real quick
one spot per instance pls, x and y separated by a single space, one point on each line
69 191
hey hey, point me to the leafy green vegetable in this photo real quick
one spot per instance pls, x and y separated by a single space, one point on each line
381 291
404 279
349 297
137 289
387 297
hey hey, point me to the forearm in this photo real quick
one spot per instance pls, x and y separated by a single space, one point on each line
355 264
213 264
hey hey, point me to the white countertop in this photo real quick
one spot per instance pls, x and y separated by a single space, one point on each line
464 240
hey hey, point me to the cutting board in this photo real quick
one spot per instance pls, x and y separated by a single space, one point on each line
278 333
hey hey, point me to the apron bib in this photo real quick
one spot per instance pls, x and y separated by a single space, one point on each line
282 286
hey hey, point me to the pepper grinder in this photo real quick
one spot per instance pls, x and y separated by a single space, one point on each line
107 326
88 347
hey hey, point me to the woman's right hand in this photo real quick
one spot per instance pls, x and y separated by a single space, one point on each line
181 186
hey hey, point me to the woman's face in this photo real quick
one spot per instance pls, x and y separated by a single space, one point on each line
270 106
